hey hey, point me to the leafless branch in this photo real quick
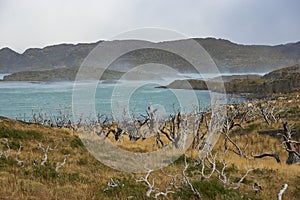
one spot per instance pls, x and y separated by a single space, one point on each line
8 152
44 160
61 164
111 184
20 162
257 187
147 183
187 182
212 163
242 179
165 194
174 179
221 173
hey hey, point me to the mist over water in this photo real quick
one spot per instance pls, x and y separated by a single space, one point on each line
2 76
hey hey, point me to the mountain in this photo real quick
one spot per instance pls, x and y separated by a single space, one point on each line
229 56
50 57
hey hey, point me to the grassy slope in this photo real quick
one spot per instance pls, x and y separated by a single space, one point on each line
83 177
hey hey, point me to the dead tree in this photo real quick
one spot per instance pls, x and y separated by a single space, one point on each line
198 133
44 159
268 111
291 146
149 185
233 115
171 129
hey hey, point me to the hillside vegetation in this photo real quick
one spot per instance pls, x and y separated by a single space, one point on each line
43 162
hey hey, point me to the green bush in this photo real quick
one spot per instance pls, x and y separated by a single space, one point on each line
11 132
9 161
76 143
46 172
212 189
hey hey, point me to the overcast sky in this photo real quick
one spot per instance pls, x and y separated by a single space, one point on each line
37 23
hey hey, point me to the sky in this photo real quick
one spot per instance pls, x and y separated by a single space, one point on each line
38 23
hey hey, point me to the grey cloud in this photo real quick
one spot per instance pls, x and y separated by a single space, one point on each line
37 23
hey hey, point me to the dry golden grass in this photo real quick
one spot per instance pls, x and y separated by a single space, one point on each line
83 177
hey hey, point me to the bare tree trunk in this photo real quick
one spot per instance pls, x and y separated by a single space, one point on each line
294 155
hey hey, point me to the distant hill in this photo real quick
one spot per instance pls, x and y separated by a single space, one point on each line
50 57
69 74
59 74
285 80
228 56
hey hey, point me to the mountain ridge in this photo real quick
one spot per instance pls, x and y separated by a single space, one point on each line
228 56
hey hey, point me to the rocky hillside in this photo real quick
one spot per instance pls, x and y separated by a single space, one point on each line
279 81
229 57
61 55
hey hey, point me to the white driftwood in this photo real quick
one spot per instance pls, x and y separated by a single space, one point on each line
282 190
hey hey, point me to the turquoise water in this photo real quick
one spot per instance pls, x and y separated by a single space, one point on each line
19 98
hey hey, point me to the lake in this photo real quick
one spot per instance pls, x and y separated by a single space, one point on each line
19 98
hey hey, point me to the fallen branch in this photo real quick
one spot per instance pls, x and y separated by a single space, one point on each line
267 155
165 194
242 179
282 190
61 164
257 187
111 184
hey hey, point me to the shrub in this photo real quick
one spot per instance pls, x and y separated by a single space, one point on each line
126 187
76 143
9 161
11 132
46 172
212 189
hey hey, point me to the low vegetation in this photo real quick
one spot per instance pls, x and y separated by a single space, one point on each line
43 162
